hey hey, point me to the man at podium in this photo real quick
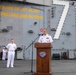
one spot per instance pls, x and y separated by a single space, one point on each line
45 38
43 53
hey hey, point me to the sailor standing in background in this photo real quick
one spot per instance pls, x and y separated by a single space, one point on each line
11 53
45 38
4 52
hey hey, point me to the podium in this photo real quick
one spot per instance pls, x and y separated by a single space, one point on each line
43 60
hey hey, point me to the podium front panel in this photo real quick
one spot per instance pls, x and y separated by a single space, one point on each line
43 60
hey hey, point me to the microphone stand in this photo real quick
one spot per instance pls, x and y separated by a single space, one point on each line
31 44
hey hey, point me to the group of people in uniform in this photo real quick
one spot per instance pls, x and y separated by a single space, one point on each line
11 47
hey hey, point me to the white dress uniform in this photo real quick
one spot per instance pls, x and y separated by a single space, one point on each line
45 39
11 54
4 51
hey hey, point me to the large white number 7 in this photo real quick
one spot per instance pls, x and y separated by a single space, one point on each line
63 16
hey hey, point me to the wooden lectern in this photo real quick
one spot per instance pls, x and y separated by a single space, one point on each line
43 60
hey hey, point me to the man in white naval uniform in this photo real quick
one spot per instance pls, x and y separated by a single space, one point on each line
45 38
11 53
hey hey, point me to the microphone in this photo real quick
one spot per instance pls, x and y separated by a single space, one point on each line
40 34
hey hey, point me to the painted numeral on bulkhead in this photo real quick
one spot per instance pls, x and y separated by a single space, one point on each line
63 16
